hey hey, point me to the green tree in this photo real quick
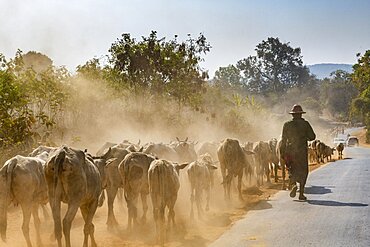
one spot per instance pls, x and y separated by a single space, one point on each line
337 93
16 118
361 79
276 68
228 77
160 67
32 101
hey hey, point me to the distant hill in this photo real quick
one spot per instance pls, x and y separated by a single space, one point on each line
323 70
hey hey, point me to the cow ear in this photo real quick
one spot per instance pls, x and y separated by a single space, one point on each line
182 166
212 167
110 161
107 154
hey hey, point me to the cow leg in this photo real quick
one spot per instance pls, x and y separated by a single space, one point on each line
192 198
240 177
37 223
120 194
171 211
45 212
88 213
228 188
67 222
158 212
271 167
267 172
111 194
208 196
26 210
224 182
131 200
198 200
276 172
145 207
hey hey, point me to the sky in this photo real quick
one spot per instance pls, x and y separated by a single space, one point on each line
71 32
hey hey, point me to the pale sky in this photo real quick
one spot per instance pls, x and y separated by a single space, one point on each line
71 32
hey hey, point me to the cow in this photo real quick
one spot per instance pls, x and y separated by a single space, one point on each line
164 185
328 152
340 148
273 158
314 145
162 151
41 149
311 154
73 179
123 145
185 150
134 174
320 150
22 181
282 164
233 161
249 171
114 181
262 154
199 174
324 151
210 148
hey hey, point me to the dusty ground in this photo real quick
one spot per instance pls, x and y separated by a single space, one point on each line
198 232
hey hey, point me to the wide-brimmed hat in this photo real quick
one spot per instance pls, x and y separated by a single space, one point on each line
297 109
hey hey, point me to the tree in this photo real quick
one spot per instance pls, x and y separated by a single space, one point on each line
276 68
31 101
160 67
16 118
361 79
228 77
337 92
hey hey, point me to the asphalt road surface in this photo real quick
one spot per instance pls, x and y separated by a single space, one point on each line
337 212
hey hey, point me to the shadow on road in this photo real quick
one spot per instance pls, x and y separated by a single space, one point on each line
336 204
317 190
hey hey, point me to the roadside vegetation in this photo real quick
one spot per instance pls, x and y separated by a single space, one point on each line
153 82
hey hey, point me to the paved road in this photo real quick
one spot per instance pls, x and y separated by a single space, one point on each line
337 212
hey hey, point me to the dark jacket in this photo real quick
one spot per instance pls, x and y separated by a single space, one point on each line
296 133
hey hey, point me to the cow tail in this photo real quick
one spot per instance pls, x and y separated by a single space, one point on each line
59 159
9 168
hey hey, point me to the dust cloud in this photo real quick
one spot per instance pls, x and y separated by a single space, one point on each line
94 116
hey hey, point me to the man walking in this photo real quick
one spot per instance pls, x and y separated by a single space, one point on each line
296 133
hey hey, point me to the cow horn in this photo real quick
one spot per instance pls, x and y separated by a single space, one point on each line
186 139
177 139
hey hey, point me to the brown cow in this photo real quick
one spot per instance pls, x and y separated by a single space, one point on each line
262 157
199 173
134 174
73 179
114 181
233 161
22 181
164 184
340 148
273 158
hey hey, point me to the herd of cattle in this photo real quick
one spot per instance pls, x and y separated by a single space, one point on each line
63 174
